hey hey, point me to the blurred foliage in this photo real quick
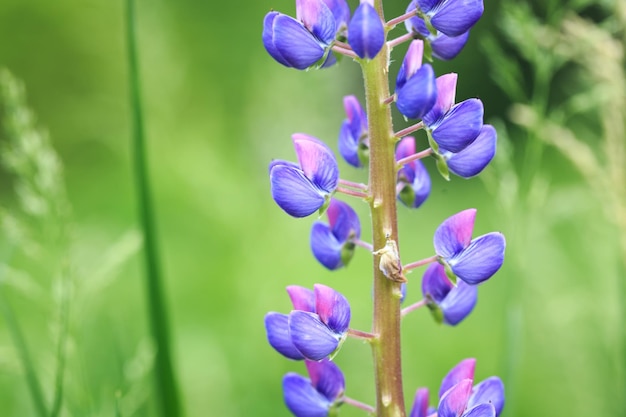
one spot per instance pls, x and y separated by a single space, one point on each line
218 109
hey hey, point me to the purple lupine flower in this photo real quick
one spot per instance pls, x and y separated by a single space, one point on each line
317 395
413 183
450 304
316 327
420 404
443 47
302 42
416 90
450 17
475 157
366 34
333 243
471 260
458 397
302 189
353 138
453 126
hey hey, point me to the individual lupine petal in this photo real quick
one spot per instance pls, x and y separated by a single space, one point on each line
293 191
301 298
298 47
349 145
317 18
455 233
326 378
482 410
476 156
454 17
420 403
268 38
302 399
411 63
455 302
480 260
445 47
459 302
311 336
366 34
435 283
341 12
460 126
446 94
462 371
343 220
454 400
353 133
277 329
414 193
332 307
489 391
325 246
418 94
317 161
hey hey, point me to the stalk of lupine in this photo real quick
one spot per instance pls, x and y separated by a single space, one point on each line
416 90
333 243
413 184
353 138
316 327
475 157
302 189
317 395
366 33
459 398
471 260
449 304
453 126
305 41
450 17
442 46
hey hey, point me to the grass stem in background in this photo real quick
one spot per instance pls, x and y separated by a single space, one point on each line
17 336
167 391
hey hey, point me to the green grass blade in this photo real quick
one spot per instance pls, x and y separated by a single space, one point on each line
167 392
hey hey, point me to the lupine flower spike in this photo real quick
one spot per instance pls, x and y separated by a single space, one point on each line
413 184
416 91
302 189
316 327
471 260
449 304
366 34
317 395
305 41
333 243
353 138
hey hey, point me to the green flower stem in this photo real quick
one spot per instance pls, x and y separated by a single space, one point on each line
167 391
382 185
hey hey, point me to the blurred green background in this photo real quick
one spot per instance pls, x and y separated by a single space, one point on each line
217 110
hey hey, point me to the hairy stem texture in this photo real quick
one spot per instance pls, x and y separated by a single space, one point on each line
382 179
